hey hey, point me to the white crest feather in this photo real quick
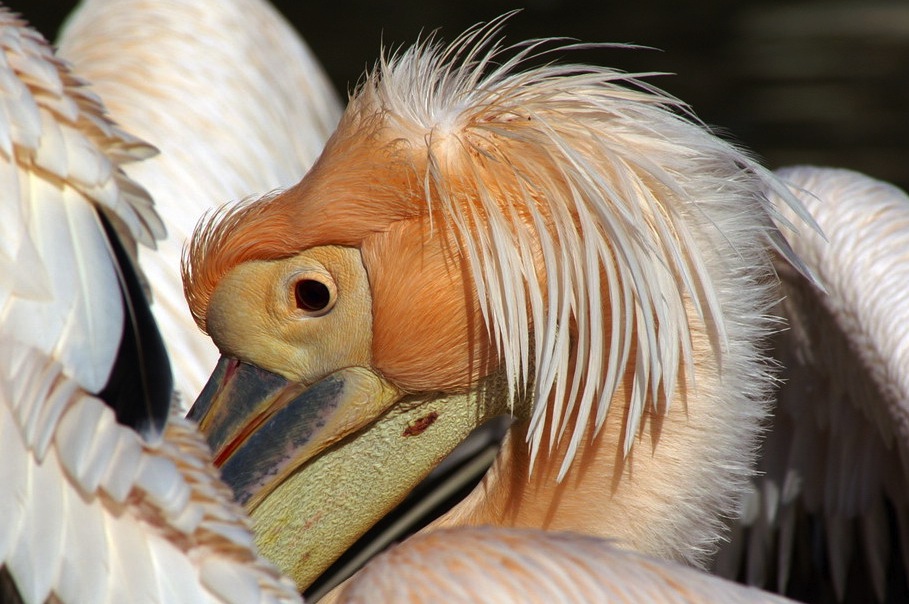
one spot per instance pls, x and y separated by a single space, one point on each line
601 183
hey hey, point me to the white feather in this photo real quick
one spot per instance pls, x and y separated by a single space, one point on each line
641 187
13 477
34 560
124 466
233 99
119 536
130 551
56 398
177 581
163 484
75 435
485 564
97 460
837 453
230 582
85 551
90 513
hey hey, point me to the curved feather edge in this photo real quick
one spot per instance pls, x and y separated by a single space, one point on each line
62 156
46 553
497 565
140 385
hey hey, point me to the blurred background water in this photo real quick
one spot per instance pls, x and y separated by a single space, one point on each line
822 82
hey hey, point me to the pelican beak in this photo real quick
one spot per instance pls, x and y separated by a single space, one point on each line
321 445
318 465
261 426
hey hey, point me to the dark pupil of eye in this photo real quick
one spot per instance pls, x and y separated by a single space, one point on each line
311 295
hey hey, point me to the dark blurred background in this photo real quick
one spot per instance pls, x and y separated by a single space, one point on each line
824 82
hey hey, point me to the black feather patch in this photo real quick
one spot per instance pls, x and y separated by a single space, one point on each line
140 386
9 592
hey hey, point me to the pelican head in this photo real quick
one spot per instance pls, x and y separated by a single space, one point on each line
560 243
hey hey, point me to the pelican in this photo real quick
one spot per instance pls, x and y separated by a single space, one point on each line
233 99
563 244
107 495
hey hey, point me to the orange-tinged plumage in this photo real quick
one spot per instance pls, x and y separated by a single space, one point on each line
359 203
499 566
368 196
558 242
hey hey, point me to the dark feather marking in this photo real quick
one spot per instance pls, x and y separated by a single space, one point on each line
9 592
140 386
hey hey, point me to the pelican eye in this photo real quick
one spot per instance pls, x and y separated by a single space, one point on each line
313 296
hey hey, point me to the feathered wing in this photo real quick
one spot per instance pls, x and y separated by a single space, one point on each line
59 291
486 564
92 512
835 461
233 99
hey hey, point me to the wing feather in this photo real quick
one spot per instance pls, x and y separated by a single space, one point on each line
51 324
176 580
34 559
260 111
59 288
485 564
130 551
89 509
85 560
834 469
175 514
13 477
123 468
